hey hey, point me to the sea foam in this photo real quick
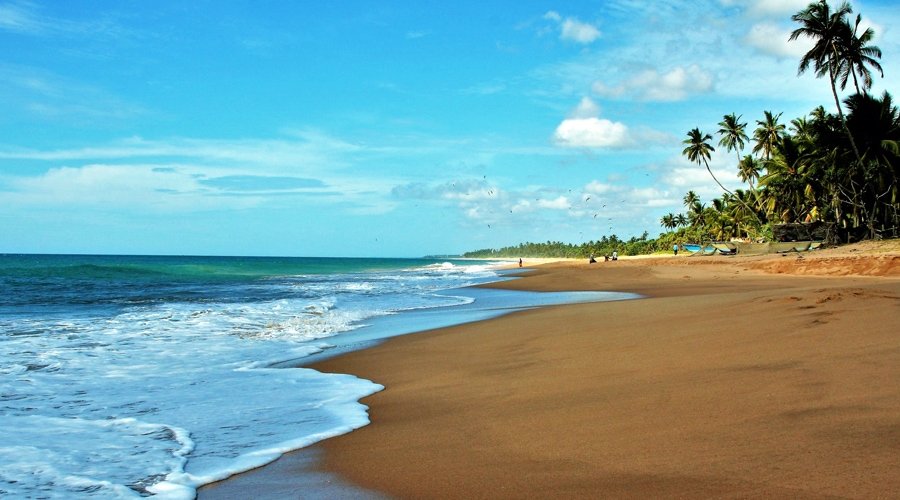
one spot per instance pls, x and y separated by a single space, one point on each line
126 377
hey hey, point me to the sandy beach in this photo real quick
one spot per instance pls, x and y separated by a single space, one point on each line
757 377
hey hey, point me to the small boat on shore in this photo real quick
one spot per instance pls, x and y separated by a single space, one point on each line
743 248
696 249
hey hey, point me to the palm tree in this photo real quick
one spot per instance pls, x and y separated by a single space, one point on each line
733 134
742 219
768 133
873 183
696 213
858 54
690 198
668 221
789 193
681 220
828 30
698 150
749 169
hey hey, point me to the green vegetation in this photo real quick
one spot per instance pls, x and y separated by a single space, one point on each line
835 168
605 246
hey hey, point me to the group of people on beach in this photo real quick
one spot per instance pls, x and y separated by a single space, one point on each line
607 258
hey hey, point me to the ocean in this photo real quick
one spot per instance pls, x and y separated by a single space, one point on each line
150 376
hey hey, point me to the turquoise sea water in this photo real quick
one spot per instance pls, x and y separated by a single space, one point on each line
128 376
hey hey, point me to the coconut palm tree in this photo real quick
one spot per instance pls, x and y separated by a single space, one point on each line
858 54
668 221
733 134
829 33
690 198
696 214
749 169
789 191
742 219
698 150
873 182
767 133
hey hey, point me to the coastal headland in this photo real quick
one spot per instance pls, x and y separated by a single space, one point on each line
762 377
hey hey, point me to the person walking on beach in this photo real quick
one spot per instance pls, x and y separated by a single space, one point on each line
520 262
675 248
615 255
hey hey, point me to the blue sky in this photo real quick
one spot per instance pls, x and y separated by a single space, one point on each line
377 128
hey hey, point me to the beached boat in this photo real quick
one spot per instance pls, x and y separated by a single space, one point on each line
726 247
742 248
789 246
696 249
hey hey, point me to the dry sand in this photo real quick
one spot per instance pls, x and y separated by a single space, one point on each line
763 377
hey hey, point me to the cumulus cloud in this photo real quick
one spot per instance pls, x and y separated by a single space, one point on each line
584 129
591 133
651 85
573 29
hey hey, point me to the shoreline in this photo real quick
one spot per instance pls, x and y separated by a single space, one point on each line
736 376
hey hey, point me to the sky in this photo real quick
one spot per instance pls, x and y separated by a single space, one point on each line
379 129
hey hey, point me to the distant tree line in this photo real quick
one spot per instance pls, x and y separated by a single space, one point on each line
557 249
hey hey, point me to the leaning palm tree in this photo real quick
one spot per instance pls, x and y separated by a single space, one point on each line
858 55
829 32
733 134
699 151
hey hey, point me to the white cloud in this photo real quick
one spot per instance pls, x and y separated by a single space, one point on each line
584 129
560 203
553 16
650 85
598 187
591 133
586 108
113 187
573 29
308 148
771 38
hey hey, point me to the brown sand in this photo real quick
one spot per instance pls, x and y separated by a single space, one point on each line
775 376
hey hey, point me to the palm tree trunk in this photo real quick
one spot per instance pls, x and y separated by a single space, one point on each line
837 102
706 164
